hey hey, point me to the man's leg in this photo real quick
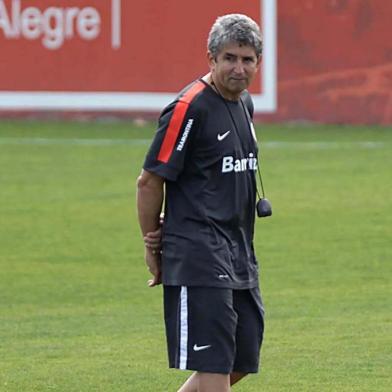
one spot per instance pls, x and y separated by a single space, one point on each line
213 382
205 382
191 384
236 376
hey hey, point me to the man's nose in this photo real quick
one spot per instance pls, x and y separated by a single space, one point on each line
239 67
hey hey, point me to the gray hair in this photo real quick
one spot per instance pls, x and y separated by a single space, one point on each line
234 28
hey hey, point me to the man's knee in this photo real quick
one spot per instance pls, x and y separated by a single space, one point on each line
213 382
236 376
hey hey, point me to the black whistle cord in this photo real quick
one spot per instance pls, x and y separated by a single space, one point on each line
235 126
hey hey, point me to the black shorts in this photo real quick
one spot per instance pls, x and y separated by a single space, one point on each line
213 330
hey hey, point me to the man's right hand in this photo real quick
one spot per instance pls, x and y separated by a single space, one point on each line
153 261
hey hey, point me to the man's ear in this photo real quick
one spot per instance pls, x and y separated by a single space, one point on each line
259 61
211 60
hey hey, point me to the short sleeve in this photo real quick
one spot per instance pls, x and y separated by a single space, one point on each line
178 124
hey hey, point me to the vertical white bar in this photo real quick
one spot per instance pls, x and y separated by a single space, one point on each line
116 24
269 76
183 328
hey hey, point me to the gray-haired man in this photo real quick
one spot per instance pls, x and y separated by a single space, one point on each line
203 160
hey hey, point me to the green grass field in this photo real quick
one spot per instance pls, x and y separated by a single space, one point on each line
76 313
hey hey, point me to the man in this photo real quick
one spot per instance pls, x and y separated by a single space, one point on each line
202 163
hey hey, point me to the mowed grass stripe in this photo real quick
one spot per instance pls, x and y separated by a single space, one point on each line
323 145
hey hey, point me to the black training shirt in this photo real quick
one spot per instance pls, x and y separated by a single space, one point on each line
205 148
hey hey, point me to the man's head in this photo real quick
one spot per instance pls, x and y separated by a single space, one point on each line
234 53
234 28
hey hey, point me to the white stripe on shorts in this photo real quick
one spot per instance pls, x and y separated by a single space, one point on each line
183 327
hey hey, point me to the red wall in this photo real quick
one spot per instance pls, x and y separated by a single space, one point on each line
335 61
163 47
334 56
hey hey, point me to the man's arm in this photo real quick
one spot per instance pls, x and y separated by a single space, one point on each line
149 206
153 239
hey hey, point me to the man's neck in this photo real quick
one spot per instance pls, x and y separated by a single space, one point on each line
210 80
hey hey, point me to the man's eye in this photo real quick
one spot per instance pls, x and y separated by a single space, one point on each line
248 60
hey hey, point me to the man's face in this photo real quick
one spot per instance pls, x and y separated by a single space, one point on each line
233 69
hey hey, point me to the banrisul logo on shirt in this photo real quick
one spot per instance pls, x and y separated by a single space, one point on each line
238 165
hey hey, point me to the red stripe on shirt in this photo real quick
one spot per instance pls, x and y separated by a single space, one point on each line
176 121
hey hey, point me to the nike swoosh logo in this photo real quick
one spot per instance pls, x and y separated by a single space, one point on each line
221 137
200 348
